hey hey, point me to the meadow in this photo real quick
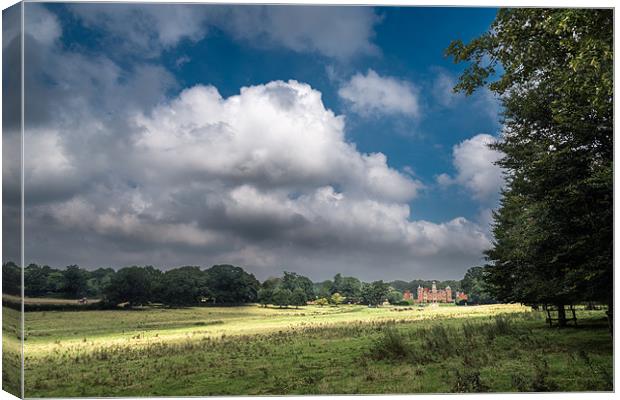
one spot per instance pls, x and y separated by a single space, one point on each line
311 350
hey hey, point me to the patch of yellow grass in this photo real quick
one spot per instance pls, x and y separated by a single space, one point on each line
87 331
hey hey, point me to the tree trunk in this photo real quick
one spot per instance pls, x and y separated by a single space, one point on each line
561 316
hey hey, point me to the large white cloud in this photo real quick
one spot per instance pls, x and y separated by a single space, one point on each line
476 169
273 135
373 94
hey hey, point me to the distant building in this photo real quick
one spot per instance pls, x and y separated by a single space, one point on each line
434 295
407 295
461 296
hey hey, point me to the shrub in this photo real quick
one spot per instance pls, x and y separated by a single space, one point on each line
468 381
541 381
391 345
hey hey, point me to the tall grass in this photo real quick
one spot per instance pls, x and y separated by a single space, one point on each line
488 352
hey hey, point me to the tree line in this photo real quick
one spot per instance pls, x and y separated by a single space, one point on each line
191 285
136 285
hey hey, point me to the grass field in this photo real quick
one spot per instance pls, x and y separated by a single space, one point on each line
11 351
347 349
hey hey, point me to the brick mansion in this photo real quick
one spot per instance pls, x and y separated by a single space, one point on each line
434 295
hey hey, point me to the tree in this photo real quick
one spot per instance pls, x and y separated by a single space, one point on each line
351 288
394 296
74 282
474 285
133 285
337 298
265 296
183 286
323 289
322 302
553 232
298 297
374 293
11 278
292 281
228 284
271 283
337 284
282 297
55 282
307 286
35 280
98 280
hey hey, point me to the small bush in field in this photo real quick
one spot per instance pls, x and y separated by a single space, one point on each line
468 381
391 345
541 381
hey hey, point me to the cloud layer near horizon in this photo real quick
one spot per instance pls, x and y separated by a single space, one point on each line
264 179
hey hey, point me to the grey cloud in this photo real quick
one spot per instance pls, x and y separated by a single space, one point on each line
147 30
143 30
337 32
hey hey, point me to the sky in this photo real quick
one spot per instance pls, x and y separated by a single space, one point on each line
307 139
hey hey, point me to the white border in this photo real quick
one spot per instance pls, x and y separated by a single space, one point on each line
453 3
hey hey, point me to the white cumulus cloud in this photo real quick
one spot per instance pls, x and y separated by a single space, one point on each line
476 170
273 135
373 94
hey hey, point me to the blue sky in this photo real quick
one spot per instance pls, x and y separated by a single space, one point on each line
123 76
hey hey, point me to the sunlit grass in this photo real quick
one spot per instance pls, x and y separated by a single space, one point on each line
328 350
47 330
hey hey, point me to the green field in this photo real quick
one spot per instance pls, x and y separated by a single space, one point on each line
346 349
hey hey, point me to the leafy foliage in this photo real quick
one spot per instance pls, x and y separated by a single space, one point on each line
11 278
282 297
133 285
374 293
228 284
337 298
298 297
183 286
474 285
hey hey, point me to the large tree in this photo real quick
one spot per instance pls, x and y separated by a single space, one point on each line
374 293
183 286
292 281
228 284
36 280
11 278
351 288
553 70
133 285
74 281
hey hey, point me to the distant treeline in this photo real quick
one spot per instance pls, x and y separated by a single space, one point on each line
191 285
